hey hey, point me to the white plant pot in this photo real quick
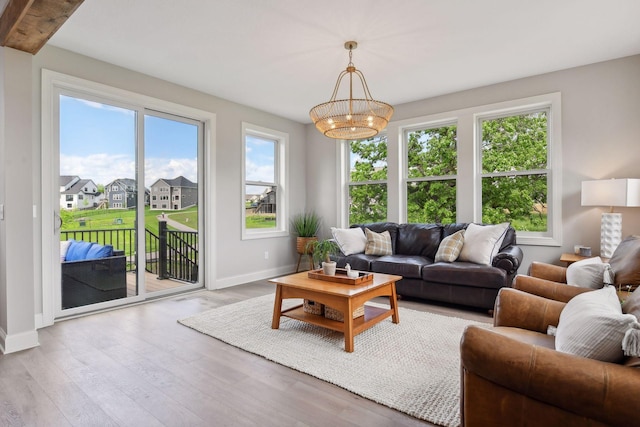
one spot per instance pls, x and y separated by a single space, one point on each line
329 268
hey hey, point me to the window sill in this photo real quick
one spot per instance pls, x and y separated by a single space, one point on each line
255 234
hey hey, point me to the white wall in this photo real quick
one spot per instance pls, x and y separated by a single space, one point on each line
17 322
600 139
601 106
237 261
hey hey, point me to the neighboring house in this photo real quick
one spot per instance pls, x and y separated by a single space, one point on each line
173 194
267 202
76 193
121 194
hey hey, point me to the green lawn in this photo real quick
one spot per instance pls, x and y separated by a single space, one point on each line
188 217
119 219
261 221
113 219
534 223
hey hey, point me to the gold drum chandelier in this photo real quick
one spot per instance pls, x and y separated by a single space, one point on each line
353 118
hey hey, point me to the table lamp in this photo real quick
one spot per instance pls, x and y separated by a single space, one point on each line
612 193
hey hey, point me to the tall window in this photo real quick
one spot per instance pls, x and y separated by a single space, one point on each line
431 174
264 209
515 172
368 180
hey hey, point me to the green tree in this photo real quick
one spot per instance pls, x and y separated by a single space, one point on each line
432 153
368 188
514 169
514 164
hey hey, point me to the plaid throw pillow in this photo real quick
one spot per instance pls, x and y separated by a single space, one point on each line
378 243
450 247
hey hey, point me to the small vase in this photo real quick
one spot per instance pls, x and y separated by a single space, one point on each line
329 268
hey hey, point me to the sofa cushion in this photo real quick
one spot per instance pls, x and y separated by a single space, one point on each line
350 240
379 227
450 247
97 251
592 325
419 239
449 229
625 262
631 304
78 250
587 273
357 261
64 247
464 274
378 243
482 242
409 266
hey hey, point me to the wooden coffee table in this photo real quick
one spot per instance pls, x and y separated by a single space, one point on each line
343 297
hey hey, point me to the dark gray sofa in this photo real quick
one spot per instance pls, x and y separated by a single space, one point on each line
458 282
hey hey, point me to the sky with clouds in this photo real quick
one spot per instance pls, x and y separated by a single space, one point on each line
97 142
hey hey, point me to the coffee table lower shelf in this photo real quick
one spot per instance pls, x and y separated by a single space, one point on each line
372 315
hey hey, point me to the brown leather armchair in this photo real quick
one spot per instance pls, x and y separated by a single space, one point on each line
511 375
625 263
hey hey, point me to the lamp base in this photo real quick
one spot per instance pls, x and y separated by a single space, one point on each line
610 233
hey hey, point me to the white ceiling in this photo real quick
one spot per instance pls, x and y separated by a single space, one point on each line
283 56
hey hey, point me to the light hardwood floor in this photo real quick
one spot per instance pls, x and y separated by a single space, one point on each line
137 366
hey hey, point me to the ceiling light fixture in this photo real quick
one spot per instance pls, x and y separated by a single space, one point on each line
353 118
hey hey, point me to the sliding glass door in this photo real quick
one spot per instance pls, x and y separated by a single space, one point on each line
173 201
128 217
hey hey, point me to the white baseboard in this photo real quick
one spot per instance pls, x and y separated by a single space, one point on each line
252 277
18 342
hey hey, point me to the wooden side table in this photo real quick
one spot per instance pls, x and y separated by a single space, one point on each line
569 258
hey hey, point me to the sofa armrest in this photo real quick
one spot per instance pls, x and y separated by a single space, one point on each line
519 309
597 390
508 259
547 289
542 270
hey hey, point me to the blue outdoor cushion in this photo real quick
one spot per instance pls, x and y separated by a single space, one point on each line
78 250
98 251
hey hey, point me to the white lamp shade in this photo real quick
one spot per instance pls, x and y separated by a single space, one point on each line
611 192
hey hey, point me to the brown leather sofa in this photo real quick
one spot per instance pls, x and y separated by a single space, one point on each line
511 374
414 249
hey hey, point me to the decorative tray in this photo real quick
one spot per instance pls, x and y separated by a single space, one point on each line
341 277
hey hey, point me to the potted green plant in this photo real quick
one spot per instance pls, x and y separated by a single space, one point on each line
306 226
322 251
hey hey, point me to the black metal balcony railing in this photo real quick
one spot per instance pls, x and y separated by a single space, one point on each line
169 255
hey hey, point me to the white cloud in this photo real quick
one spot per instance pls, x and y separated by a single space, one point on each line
157 168
257 172
104 168
101 168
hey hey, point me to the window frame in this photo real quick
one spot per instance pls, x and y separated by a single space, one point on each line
404 168
281 181
348 183
552 104
468 181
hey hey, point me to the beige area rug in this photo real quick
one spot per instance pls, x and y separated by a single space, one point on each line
413 366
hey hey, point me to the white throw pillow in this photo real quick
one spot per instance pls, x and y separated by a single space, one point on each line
592 325
587 273
64 247
482 242
350 240
450 247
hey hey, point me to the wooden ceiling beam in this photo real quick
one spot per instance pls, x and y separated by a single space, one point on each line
27 25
